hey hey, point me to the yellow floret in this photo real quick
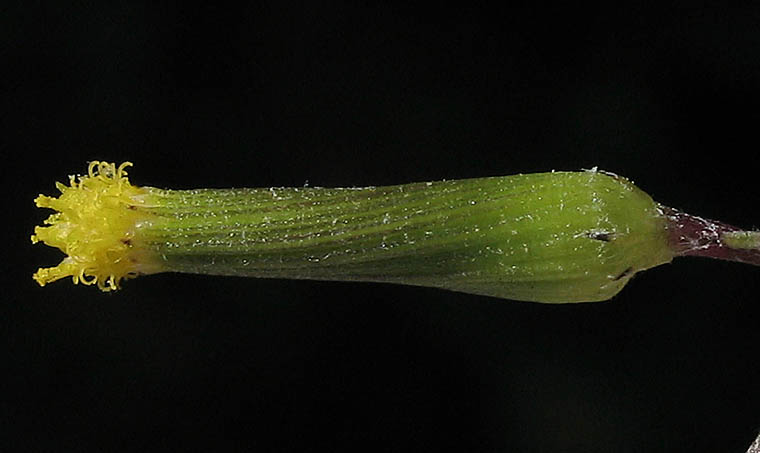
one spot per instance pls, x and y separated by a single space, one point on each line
94 226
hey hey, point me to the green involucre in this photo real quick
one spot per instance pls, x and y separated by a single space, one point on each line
549 237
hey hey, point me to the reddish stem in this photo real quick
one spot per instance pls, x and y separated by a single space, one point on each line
690 235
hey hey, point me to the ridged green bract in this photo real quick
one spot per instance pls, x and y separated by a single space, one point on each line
549 237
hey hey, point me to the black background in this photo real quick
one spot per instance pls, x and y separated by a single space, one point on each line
336 94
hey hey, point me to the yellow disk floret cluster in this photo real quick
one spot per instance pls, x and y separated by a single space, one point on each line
94 225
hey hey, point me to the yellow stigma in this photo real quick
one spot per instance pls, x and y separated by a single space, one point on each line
94 226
